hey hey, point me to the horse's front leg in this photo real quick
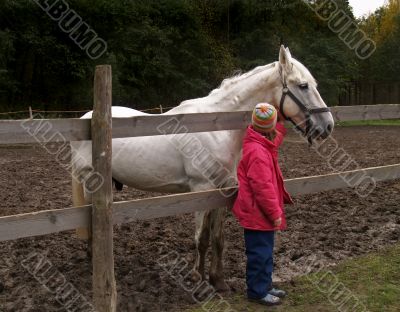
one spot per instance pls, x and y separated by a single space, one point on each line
217 218
202 238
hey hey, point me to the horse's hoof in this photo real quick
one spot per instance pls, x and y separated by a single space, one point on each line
223 287
220 285
196 276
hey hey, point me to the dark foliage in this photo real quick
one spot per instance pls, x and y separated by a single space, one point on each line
163 51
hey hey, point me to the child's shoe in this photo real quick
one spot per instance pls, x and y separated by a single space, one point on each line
277 293
268 300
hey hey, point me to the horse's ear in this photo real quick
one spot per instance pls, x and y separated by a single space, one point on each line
288 52
285 59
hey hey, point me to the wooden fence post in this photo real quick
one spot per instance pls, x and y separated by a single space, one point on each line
30 113
104 289
161 109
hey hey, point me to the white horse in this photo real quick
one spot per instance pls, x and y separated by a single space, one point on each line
174 163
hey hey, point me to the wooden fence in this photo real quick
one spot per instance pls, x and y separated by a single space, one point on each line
370 93
57 220
59 130
107 213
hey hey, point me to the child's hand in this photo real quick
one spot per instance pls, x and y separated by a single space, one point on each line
278 222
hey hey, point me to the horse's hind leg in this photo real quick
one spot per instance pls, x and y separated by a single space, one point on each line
78 199
202 238
217 219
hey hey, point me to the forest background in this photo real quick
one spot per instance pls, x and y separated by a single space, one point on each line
166 51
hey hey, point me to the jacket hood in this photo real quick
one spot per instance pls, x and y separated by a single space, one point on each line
254 136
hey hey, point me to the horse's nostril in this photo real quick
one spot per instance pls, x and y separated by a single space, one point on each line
329 128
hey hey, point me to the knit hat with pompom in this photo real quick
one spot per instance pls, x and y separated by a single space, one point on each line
264 117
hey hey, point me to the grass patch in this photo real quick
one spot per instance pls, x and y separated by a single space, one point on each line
391 122
374 280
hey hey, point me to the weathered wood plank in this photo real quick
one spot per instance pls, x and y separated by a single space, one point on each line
65 130
171 205
104 287
60 130
366 112
44 130
52 221
315 184
44 222
182 123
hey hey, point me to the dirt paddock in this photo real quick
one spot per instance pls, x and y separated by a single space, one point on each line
333 226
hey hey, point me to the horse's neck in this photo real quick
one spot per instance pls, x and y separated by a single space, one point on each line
237 94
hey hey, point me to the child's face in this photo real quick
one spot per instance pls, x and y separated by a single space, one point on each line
268 135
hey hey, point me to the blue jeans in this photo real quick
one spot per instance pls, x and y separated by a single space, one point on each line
260 262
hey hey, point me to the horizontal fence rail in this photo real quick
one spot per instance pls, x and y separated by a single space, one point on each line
64 130
53 221
44 130
366 112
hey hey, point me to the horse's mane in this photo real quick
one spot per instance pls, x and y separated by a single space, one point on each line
300 72
226 83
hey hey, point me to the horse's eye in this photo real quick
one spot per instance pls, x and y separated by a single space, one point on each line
303 86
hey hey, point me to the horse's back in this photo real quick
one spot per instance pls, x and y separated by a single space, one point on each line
118 112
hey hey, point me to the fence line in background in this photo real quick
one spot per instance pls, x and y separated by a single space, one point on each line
73 129
337 111
160 109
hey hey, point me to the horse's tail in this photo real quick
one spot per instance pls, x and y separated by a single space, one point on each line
78 199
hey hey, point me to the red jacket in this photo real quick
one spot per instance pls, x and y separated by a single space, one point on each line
262 194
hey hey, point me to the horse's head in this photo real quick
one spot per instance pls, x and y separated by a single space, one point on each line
300 100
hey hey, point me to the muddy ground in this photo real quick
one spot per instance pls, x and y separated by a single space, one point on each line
332 226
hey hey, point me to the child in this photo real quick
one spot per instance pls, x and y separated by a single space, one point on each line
259 206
